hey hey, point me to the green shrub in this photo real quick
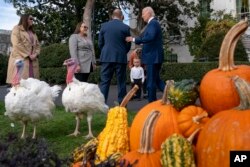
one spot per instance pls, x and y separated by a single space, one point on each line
196 70
56 75
210 48
205 39
28 153
179 71
53 55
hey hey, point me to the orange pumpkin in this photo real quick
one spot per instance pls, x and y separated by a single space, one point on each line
80 164
165 126
228 130
190 119
77 164
217 91
146 156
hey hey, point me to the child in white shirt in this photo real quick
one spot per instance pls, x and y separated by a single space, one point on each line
137 76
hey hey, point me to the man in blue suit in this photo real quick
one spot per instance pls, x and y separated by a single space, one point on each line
114 51
152 52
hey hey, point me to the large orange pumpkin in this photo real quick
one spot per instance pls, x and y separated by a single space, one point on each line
217 91
165 126
227 130
146 155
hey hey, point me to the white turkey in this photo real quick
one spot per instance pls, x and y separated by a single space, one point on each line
29 100
81 98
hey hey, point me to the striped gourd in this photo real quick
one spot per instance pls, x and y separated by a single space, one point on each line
177 151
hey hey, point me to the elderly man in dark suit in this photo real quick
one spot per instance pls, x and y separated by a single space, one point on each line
152 52
114 51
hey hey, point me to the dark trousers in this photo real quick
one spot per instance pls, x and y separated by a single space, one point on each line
107 71
83 77
154 81
144 86
137 82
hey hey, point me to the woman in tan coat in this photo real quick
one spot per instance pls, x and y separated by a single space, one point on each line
25 45
82 50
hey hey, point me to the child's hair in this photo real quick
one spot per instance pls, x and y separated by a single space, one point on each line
137 58
134 54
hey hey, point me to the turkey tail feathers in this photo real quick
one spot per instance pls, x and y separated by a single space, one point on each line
55 90
105 108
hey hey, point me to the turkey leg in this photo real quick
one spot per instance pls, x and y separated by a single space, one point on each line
34 132
76 132
89 119
24 129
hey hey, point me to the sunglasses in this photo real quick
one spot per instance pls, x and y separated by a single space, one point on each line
30 18
85 27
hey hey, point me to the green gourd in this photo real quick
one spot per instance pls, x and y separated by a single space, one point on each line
183 93
177 151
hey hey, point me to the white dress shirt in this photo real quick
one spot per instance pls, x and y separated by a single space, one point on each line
137 73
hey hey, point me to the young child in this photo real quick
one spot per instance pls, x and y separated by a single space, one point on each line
137 76
136 54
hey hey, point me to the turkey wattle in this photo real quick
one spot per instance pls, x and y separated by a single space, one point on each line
29 100
81 98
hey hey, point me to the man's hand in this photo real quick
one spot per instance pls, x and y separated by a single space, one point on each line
129 39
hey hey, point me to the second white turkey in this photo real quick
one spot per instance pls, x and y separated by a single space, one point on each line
81 98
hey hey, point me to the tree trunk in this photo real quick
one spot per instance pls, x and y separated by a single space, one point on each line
87 16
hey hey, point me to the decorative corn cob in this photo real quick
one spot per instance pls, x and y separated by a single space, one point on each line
85 151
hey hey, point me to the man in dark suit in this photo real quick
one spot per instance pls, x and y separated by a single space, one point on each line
114 51
152 52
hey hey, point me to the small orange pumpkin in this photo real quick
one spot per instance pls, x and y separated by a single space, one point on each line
217 92
145 156
165 126
191 118
228 130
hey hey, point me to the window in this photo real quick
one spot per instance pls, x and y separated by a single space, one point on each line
205 8
242 8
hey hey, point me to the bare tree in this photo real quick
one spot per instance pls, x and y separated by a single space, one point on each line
87 15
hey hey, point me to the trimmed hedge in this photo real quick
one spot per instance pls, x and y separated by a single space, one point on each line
53 55
175 71
53 72
3 68
56 75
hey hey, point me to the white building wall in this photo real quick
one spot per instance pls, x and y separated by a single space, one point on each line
229 6
182 51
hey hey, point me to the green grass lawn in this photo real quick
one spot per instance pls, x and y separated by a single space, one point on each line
56 129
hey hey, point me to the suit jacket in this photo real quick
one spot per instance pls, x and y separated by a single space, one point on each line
151 38
21 49
112 42
82 50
